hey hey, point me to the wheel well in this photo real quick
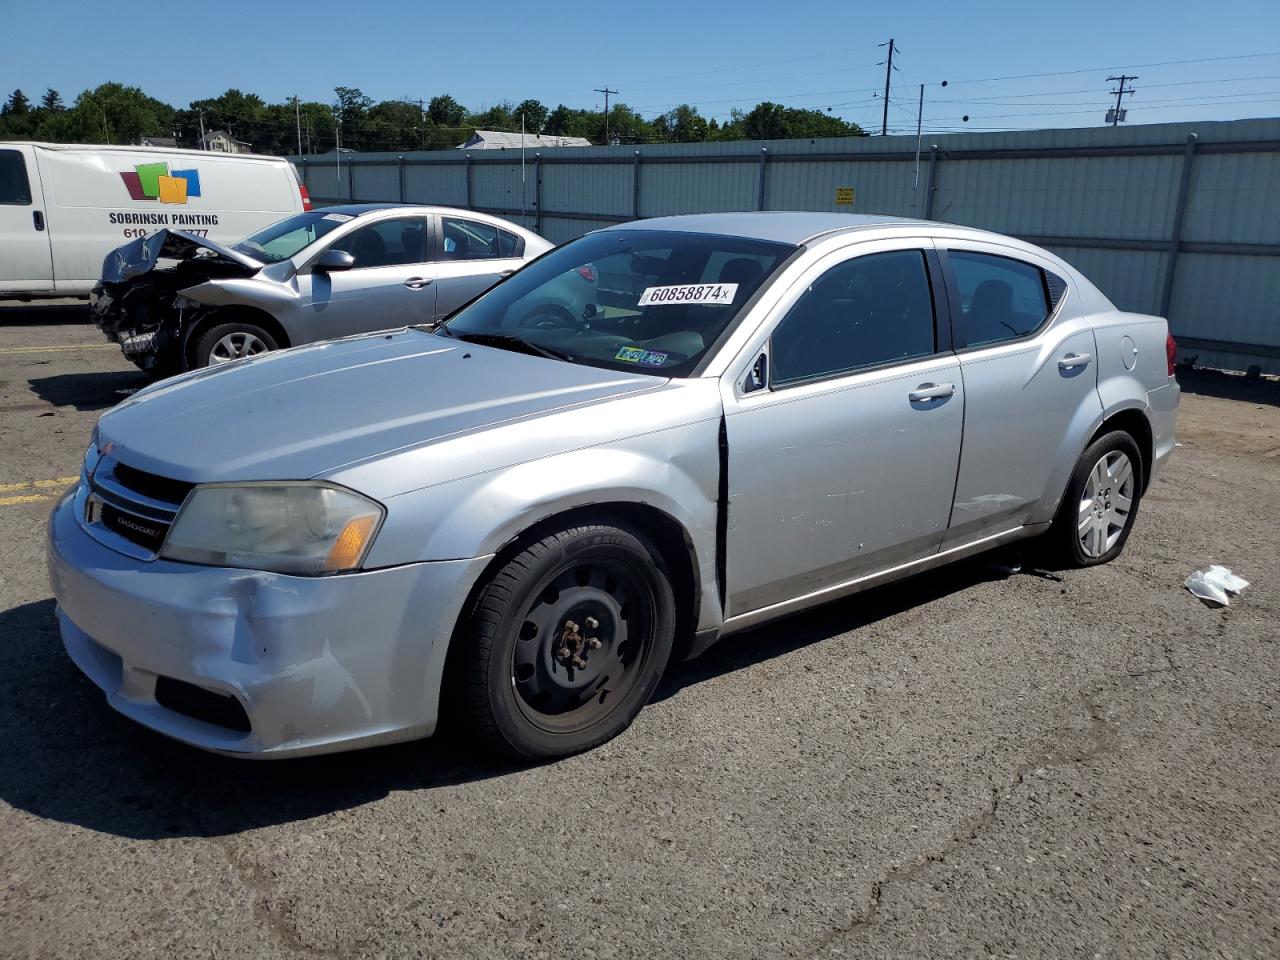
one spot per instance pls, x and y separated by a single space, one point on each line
227 315
1134 423
666 534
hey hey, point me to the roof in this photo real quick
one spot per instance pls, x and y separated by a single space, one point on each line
502 140
128 148
781 226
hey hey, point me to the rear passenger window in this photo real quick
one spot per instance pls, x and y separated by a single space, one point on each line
469 240
866 311
1002 299
14 186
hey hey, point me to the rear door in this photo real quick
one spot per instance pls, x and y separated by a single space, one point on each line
471 256
1030 380
389 286
26 264
844 463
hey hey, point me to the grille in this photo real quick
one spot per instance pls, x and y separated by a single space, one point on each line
133 505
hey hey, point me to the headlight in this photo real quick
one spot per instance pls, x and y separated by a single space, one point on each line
303 528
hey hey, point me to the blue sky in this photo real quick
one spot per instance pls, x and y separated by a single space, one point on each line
716 55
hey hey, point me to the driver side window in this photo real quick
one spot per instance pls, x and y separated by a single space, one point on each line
388 243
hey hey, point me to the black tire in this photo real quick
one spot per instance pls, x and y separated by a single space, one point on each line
210 339
1063 546
516 693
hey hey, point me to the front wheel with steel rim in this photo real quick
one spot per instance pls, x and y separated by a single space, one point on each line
1101 502
232 341
566 642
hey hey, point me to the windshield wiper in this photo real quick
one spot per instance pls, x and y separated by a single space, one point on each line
509 342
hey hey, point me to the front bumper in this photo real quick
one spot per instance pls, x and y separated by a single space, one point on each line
318 664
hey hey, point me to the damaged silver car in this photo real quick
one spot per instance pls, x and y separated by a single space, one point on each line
175 301
518 520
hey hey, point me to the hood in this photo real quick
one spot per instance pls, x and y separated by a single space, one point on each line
140 256
300 413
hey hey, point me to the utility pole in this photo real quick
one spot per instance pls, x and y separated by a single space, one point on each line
203 143
888 72
1116 115
297 118
919 117
606 91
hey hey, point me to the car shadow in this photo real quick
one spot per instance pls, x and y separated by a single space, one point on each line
66 756
14 313
781 637
1230 386
89 391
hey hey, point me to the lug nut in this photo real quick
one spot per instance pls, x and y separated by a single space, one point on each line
593 643
562 652
579 662
592 623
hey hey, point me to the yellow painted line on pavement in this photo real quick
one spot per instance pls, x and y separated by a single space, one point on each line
33 491
58 348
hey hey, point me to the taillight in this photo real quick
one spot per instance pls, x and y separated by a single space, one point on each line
306 197
1170 352
587 272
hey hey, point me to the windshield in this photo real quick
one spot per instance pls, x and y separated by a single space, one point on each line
641 300
282 240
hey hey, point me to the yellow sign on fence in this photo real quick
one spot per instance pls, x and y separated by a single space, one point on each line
844 196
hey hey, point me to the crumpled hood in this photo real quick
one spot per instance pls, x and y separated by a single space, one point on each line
300 413
140 256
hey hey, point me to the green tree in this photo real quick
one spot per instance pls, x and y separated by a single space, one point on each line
52 100
445 111
534 113
17 105
498 117
772 121
683 124
118 114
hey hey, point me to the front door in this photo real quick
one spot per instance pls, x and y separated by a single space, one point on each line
390 284
27 262
844 463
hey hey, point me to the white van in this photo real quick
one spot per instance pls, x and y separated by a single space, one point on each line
64 207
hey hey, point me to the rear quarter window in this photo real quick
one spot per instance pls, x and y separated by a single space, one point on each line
1001 298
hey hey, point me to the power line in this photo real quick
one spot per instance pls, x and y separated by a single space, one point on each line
1161 63
1116 115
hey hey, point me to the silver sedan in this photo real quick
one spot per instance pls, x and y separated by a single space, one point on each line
175 300
520 519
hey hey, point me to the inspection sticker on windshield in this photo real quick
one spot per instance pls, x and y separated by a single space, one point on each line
338 217
689 293
640 355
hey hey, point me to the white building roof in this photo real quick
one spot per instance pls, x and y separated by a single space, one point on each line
501 140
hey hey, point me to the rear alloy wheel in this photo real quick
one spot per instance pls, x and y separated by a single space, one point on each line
232 341
1101 502
567 642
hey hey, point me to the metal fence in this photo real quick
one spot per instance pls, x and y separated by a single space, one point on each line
1181 220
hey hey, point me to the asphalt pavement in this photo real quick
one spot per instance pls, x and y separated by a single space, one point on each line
976 762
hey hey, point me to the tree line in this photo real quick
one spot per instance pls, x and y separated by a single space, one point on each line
117 113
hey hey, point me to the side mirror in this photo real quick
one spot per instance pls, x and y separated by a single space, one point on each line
334 260
758 376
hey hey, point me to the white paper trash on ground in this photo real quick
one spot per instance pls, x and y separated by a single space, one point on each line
1214 585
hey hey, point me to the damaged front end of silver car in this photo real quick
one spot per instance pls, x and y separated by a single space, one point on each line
139 301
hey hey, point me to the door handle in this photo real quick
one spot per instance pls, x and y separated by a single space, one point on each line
1073 360
931 391
37 219
417 283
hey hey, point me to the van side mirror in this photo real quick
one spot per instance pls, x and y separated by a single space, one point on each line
334 260
758 376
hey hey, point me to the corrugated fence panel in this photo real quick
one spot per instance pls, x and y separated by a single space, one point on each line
884 187
373 183
1228 298
667 188
587 188
1235 198
559 230
1128 197
1130 279
499 186
436 183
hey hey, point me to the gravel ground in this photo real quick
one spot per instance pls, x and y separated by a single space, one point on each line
968 764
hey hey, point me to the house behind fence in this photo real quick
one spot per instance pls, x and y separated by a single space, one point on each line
1179 219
